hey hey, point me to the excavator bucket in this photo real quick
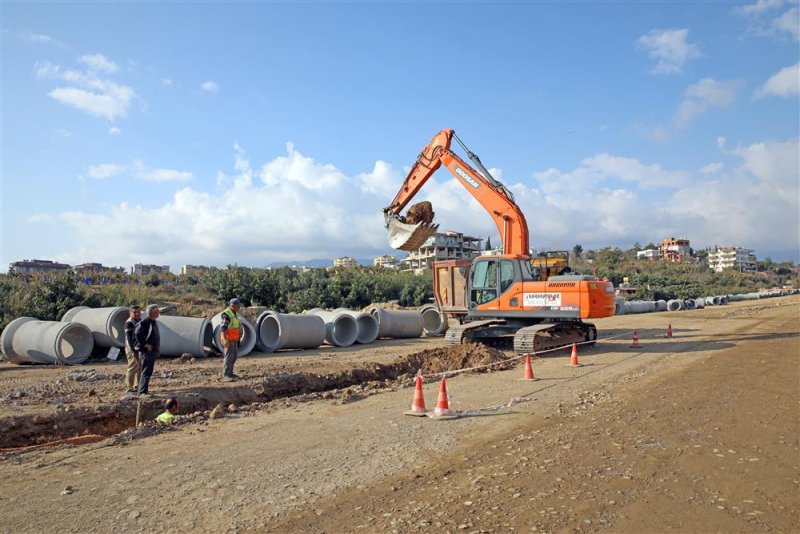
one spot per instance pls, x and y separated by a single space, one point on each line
409 237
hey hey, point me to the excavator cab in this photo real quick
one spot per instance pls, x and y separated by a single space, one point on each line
551 263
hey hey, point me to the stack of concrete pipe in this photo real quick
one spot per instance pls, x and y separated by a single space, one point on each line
248 341
341 328
278 331
366 324
398 323
434 323
28 340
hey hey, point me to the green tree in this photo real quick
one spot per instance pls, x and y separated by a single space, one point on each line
488 243
577 250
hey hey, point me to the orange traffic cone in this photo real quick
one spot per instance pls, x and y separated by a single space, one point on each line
636 340
442 410
573 360
418 403
669 331
528 376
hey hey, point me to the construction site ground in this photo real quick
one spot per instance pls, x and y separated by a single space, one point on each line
698 433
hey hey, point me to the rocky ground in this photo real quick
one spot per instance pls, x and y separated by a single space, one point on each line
695 434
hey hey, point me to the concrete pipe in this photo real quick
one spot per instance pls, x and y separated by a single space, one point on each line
619 307
723 299
107 324
717 301
699 303
434 323
341 328
689 304
398 323
366 324
661 305
185 334
709 301
289 331
674 305
28 340
248 341
642 306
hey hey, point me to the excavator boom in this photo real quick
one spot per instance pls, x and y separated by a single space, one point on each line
490 193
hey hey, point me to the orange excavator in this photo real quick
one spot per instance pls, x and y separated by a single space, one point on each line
506 296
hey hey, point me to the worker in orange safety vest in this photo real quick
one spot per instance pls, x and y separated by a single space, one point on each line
230 334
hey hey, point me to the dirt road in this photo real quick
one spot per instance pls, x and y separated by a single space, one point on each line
699 433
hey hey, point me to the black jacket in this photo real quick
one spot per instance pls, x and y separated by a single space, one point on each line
147 333
130 327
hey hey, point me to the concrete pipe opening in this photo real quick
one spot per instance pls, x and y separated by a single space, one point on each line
690 304
433 322
342 330
180 335
249 337
289 331
106 324
367 325
28 340
675 305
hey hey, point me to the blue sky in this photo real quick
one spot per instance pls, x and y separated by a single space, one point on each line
252 133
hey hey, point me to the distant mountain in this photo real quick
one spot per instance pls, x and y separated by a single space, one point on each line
315 263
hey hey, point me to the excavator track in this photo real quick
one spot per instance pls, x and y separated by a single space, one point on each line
551 336
463 333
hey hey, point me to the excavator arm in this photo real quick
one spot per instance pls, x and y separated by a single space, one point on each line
490 193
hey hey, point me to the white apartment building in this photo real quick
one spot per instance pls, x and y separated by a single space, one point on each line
741 259
345 262
449 245
386 261
651 254
140 269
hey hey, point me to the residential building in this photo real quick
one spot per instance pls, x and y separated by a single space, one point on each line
94 268
738 258
649 254
673 249
345 262
140 269
449 245
194 269
38 266
387 262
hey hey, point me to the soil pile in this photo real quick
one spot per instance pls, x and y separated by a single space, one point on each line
420 212
456 357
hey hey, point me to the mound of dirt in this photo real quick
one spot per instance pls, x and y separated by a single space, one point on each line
453 358
420 212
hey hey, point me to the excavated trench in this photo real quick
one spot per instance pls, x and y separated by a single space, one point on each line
70 421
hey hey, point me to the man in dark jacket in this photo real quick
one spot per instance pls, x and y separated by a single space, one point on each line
148 343
134 363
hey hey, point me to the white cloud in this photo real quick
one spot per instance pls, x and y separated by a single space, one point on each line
669 48
86 90
657 134
705 94
99 62
114 131
759 7
787 24
39 38
721 142
209 87
295 208
165 175
785 82
104 170
167 82
712 168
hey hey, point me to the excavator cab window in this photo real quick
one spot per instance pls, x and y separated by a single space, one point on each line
506 275
484 282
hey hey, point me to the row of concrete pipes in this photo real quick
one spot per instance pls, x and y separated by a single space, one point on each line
649 306
82 330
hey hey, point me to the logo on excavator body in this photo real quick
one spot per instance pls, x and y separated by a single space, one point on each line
467 178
